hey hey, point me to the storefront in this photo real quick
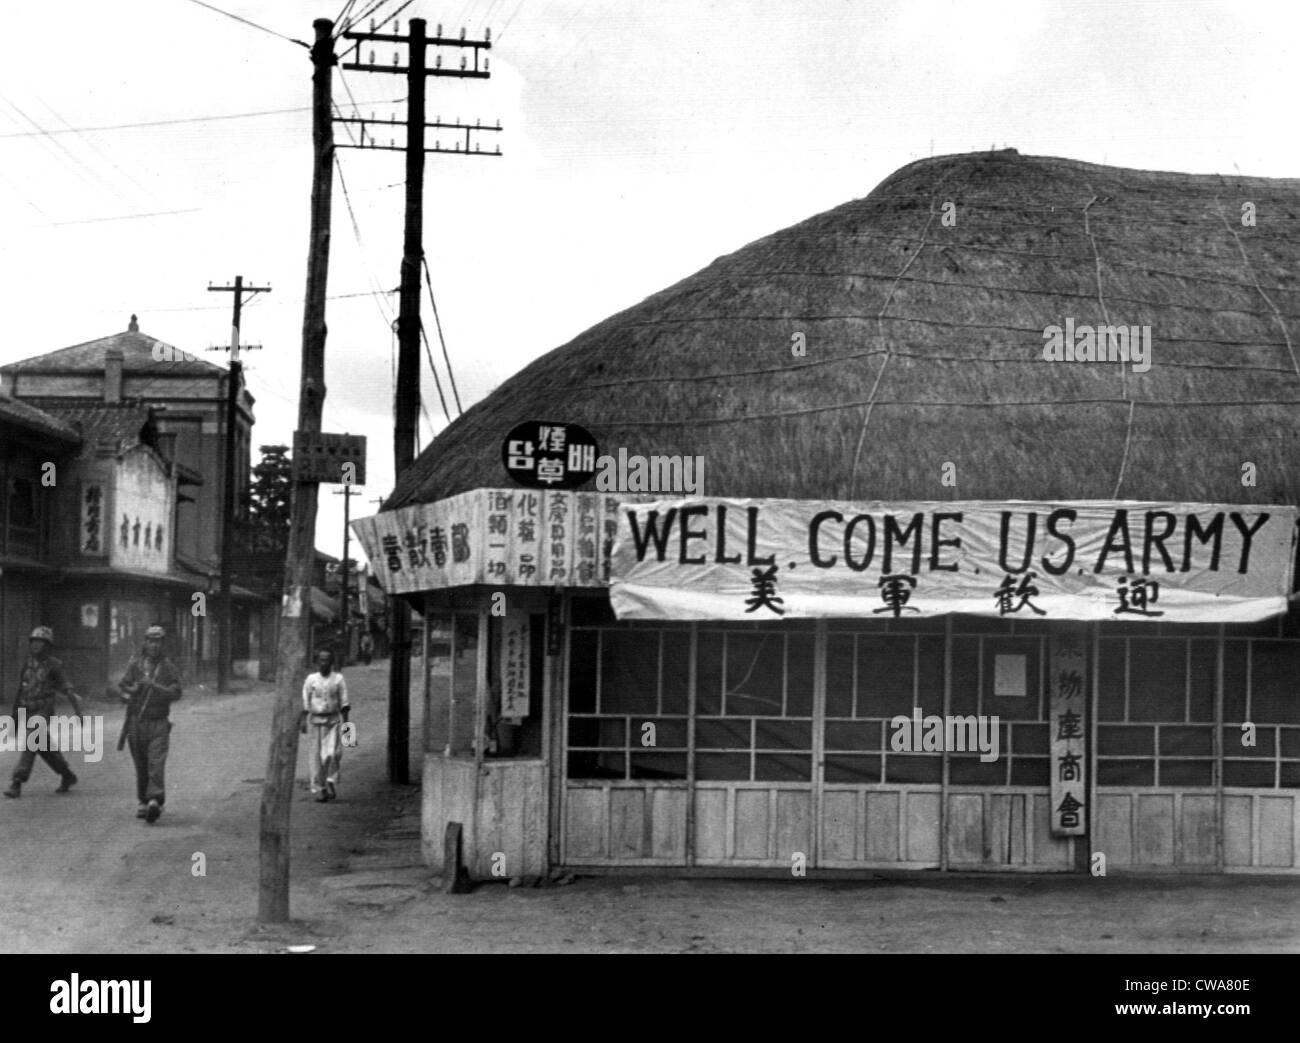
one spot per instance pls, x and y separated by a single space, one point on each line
799 685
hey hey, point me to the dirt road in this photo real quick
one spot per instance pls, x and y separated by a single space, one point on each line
79 873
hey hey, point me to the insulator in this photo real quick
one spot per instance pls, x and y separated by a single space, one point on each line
395 56
478 122
476 148
498 124
372 57
487 64
437 143
462 32
439 31
498 150
462 61
372 25
487 35
437 61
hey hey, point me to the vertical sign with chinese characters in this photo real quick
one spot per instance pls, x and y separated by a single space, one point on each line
1068 698
499 568
514 666
92 519
558 538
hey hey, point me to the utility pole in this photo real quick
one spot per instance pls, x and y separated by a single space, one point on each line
295 613
407 406
347 492
230 509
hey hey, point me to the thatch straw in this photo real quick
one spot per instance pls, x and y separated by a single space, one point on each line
924 346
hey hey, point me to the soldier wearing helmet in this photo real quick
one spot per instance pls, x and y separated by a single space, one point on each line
149 687
42 682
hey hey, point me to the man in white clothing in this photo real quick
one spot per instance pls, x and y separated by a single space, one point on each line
325 705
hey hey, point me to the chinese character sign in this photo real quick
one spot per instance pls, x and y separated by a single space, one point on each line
514 666
1068 701
546 454
92 519
1136 562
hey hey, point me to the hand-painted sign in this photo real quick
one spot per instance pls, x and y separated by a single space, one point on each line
1068 700
710 558
322 457
546 454
514 667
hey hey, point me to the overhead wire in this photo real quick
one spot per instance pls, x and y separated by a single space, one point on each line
428 282
254 25
428 353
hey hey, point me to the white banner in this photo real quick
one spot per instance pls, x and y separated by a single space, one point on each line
712 558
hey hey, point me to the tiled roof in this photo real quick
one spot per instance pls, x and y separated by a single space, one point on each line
137 357
21 414
120 425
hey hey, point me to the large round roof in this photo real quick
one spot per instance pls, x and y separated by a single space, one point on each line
924 331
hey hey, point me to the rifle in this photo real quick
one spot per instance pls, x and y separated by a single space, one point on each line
130 707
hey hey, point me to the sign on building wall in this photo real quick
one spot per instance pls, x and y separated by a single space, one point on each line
710 558
1067 699
93 511
523 537
139 532
514 666
546 454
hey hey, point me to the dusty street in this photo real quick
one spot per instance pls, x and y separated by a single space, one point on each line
80 873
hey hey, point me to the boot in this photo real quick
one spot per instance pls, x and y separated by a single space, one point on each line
69 780
15 789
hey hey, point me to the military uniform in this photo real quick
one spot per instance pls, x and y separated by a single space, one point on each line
155 684
42 682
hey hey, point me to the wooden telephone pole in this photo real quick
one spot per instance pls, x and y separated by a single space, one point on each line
295 615
407 406
230 509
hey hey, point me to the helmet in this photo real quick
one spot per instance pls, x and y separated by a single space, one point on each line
155 631
44 633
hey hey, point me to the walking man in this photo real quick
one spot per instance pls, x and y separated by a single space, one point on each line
325 702
42 682
149 687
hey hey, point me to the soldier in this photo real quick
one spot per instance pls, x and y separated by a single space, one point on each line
42 682
149 687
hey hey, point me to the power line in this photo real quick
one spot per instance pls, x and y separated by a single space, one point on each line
428 353
245 21
153 123
442 340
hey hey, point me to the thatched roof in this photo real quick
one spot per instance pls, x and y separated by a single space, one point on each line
925 346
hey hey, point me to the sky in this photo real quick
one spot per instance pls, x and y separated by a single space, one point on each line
149 148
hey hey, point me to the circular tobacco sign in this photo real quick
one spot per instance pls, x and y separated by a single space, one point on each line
546 454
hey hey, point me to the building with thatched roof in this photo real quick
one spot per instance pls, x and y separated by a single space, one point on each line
1008 444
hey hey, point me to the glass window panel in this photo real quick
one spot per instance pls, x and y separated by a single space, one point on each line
591 765
1118 740
613 731
965 674
1204 666
722 733
755 674
839 675
1187 742
970 771
1110 680
708 673
722 767
852 769
885 676
1157 680
1031 738
800 664
1234 747
856 735
901 767
670 732
1290 742
582 671
591 612
783 735
782 767
629 671
930 674
1031 771
651 764
1234 680
1126 773
1248 773
1291 774
676 687
1186 773
1274 672
584 731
